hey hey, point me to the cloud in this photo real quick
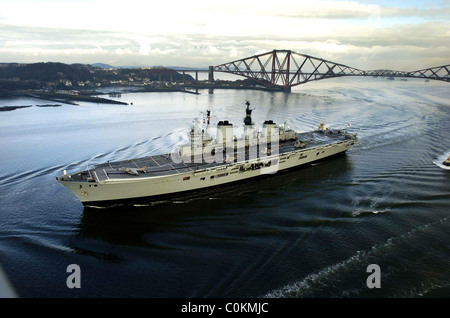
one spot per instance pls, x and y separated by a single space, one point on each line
126 51
358 34
311 9
329 9
443 12
405 47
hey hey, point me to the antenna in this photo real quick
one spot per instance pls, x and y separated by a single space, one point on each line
208 116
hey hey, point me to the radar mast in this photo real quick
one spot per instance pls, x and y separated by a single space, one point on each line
248 114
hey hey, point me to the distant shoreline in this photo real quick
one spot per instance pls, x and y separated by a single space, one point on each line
72 97
9 108
69 98
86 96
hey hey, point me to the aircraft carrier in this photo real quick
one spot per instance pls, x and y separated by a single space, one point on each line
206 163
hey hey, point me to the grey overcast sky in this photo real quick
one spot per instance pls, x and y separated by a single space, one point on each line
399 35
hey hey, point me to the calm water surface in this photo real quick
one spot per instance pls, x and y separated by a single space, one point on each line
308 233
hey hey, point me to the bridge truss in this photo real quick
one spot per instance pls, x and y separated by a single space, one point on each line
285 68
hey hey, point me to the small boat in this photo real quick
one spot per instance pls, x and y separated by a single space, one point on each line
446 162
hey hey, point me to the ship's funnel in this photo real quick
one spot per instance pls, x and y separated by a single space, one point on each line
269 128
225 132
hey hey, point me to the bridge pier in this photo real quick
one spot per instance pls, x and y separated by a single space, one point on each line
287 89
211 74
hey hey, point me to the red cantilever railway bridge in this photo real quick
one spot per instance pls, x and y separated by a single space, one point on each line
285 68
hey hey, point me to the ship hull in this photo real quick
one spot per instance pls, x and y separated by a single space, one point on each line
110 192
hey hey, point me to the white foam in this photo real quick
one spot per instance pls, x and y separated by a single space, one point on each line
439 160
358 213
319 280
315 280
